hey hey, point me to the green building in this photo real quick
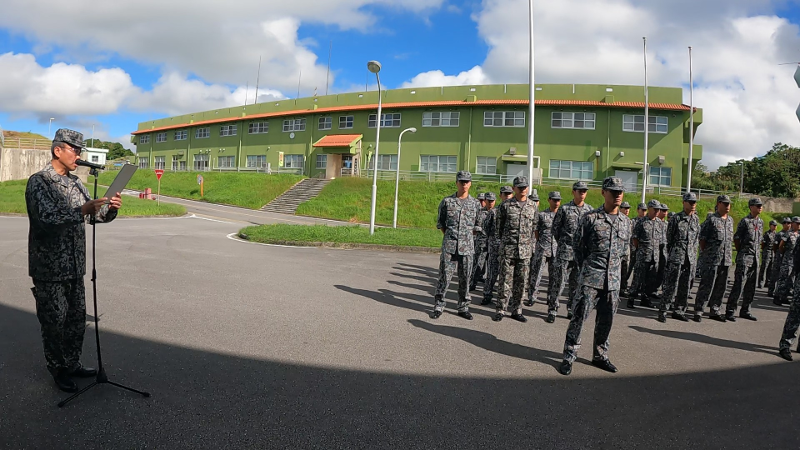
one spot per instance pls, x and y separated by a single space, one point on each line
581 132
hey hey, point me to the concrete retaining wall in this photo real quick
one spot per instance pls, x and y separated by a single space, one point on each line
19 164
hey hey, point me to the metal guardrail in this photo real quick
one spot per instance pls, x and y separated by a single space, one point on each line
27 143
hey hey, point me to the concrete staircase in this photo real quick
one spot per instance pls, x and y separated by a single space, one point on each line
287 202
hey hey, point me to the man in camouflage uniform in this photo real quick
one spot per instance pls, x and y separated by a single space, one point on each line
58 207
458 215
786 227
787 273
746 240
625 210
716 257
600 242
682 240
647 238
662 259
565 223
766 254
641 213
493 257
546 248
792 322
481 246
506 192
516 228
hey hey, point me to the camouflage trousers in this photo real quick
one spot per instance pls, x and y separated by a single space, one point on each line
777 263
645 277
492 271
537 268
61 309
677 281
623 282
562 270
478 265
448 263
766 269
588 299
514 279
792 323
713 282
744 286
631 268
784 284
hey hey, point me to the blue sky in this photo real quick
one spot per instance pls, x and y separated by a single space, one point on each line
133 61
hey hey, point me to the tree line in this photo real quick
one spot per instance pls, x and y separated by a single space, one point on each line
115 149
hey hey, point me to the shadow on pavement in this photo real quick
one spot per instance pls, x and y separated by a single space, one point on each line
710 340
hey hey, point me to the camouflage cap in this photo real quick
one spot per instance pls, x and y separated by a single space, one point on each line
773 222
555 195
664 207
723 199
786 220
796 219
580 186
755 202
613 184
655 204
690 197
534 197
506 190
625 205
70 137
641 206
490 197
463 175
481 196
521 182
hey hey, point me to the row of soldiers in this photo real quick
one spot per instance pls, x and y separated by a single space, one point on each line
515 240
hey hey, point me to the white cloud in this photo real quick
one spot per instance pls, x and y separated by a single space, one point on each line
438 78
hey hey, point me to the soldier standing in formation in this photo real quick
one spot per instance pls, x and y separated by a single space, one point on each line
746 239
786 227
516 228
58 207
786 247
766 254
647 239
682 240
662 257
792 323
493 257
641 211
625 210
546 248
458 214
479 263
565 223
599 244
716 236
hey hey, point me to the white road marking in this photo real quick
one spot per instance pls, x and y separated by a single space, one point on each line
233 237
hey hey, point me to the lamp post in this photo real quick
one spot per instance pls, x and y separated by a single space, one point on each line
397 179
532 90
375 67
49 124
691 125
646 123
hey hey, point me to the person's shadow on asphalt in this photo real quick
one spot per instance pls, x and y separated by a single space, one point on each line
705 339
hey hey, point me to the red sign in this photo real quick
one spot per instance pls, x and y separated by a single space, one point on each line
159 172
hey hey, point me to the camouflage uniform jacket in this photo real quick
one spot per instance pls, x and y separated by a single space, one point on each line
748 233
546 245
516 228
648 233
768 241
683 231
458 218
57 234
565 223
599 246
790 240
489 226
481 238
718 235
634 223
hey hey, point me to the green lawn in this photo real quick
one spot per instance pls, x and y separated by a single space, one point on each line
281 233
348 199
249 190
12 200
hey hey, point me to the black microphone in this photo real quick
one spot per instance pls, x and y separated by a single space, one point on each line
90 165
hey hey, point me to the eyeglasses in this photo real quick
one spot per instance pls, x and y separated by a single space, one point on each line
76 150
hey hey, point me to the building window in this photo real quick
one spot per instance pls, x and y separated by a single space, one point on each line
144 139
635 123
389 120
161 137
433 163
95 158
227 130
200 162
226 162
160 162
181 135
345 122
202 133
660 176
257 161
258 127
144 163
294 125
504 118
571 170
440 119
325 123
293 161
178 165
583 121
322 161
487 165
385 162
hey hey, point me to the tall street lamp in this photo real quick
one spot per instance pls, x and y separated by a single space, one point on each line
375 67
49 124
397 179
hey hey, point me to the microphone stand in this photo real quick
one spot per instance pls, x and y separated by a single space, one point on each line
101 371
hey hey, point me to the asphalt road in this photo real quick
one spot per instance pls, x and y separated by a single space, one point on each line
252 346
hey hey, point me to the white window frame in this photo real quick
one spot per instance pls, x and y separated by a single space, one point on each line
348 122
95 158
486 165
228 130
257 161
294 125
144 139
388 120
573 120
662 173
258 128
322 161
385 162
160 162
181 135
226 162
441 119
290 161
200 162
426 163
202 133
634 123
144 163
502 119
577 170
161 137
325 123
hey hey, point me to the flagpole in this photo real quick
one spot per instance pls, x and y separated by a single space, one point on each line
532 106
646 123
691 124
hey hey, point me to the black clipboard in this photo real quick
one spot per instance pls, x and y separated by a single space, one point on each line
122 179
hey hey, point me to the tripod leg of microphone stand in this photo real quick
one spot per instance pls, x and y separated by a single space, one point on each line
75 395
142 393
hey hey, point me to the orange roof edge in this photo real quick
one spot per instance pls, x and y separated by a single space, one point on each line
338 140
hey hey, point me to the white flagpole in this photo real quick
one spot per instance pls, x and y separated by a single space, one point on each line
691 124
646 123
532 106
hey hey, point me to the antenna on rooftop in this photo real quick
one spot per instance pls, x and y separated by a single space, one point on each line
258 78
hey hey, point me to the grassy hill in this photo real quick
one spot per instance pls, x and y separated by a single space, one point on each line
7 134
